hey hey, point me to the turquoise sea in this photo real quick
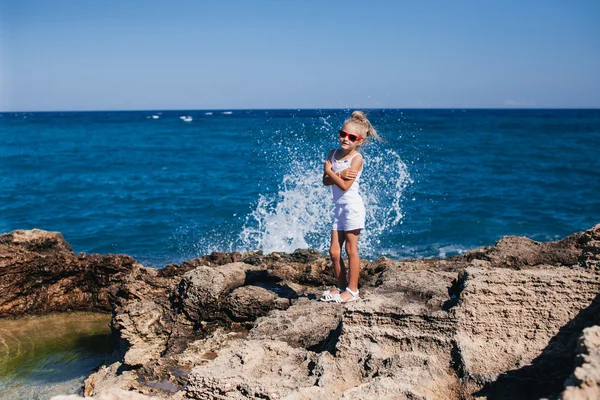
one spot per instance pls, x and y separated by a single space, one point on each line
151 185
166 186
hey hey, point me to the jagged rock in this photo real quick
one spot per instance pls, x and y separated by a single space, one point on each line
497 322
516 252
308 324
252 369
590 251
40 274
584 383
107 379
110 394
142 324
516 330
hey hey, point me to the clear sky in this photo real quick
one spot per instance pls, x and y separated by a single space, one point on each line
142 55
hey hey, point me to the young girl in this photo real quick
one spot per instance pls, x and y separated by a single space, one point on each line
342 171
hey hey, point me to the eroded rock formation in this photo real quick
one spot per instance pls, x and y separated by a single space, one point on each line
40 274
518 320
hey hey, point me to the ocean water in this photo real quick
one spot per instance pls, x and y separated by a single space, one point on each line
151 185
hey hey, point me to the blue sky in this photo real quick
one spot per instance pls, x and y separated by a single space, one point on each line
135 55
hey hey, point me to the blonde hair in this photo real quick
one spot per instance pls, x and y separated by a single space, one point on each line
362 125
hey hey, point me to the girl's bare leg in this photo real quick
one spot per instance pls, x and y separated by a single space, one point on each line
353 262
335 251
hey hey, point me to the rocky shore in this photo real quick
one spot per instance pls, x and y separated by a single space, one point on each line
519 320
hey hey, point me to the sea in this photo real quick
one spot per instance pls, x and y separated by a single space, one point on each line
167 186
171 185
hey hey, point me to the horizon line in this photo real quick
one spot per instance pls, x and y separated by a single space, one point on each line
301 109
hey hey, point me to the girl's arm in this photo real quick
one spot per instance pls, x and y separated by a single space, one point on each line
327 181
342 183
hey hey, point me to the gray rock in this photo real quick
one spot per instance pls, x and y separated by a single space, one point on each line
308 324
247 303
202 290
584 383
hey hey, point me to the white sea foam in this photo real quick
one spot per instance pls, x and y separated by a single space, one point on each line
451 250
285 221
299 214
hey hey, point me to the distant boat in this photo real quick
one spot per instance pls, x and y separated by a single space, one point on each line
227 112
186 118
208 113
155 117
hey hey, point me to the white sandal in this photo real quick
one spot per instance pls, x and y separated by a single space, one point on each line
338 299
327 296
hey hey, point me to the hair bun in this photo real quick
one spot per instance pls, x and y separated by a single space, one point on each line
359 115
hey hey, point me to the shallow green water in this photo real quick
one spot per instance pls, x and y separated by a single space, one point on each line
44 356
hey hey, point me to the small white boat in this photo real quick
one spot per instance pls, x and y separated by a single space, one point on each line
186 118
155 117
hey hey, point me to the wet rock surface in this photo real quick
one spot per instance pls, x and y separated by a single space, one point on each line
517 320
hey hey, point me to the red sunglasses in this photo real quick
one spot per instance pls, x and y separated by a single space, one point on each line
353 138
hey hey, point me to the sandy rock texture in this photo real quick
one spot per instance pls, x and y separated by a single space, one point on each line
584 383
519 320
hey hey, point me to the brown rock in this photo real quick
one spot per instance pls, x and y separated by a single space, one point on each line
516 252
590 252
40 274
498 322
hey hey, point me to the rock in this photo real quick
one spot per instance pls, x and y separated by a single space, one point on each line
517 252
308 324
590 248
252 369
584 383
40 274
110 394
507 321
142 324
516 330
201 292
37 241
106 379
249 302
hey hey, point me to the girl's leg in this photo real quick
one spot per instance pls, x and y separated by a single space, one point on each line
335 251
353 262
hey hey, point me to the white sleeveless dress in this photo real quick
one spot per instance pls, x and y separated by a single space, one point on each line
349 211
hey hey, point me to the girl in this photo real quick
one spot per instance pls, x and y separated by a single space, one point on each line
342 171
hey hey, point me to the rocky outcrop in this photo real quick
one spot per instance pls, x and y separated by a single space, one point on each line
517 320
40 274
584 383
517 330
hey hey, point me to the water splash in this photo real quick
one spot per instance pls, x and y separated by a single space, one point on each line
291 218
299 214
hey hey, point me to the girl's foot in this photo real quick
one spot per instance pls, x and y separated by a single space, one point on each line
328 295
346 296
